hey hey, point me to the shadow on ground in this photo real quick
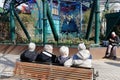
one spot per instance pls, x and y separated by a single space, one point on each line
113 63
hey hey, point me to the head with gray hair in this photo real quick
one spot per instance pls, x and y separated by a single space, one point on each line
31 46
48 48
81 46
113 34
64 51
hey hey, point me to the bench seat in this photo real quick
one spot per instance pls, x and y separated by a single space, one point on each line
25 70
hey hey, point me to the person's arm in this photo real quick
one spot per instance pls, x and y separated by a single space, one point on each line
68 63
35 56
111 40
22 56
117 39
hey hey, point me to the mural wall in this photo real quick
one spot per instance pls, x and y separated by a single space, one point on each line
70 16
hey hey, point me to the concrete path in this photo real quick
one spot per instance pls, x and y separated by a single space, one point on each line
108 69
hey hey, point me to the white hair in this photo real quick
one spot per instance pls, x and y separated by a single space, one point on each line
31 46
81 46
113 33
64 51
48 48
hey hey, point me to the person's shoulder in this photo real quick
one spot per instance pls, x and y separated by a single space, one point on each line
25 51
34 52
46 54
117 36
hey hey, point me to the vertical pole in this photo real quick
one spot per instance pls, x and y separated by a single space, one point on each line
81 16
97 22
39 14
51 5
52 25
39 26
89 27
23 27
44 20
12 22
41 17
59 15
107 5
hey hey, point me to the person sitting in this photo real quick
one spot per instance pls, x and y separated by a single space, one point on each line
30 54
64 55
111 49
46 56
82 58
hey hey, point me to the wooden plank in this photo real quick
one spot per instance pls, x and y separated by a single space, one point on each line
51 72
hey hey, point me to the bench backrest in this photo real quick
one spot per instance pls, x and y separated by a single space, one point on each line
51 72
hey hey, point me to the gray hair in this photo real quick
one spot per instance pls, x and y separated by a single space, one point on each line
81 46
113 33
48 48
31 46
64 51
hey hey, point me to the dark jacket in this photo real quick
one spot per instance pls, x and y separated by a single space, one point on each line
46 57
115 42
61 60
28 56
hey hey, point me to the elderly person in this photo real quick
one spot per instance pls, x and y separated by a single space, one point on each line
82 58
29 55
64 55
46 55
111 49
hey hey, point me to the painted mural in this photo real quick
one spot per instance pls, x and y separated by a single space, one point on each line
69 13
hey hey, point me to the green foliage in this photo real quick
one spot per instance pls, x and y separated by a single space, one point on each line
72 41
26 18
86 16
1 10
4 28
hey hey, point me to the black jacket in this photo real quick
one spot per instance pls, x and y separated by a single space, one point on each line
46 57
61 60
28 56
115 42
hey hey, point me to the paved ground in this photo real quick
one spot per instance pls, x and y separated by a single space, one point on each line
108 69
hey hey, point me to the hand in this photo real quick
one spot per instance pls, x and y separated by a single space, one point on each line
112 40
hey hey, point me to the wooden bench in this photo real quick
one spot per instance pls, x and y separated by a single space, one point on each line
25 70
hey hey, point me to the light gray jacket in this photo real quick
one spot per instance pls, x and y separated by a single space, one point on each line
81 59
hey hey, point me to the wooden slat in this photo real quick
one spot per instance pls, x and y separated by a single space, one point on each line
51 72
